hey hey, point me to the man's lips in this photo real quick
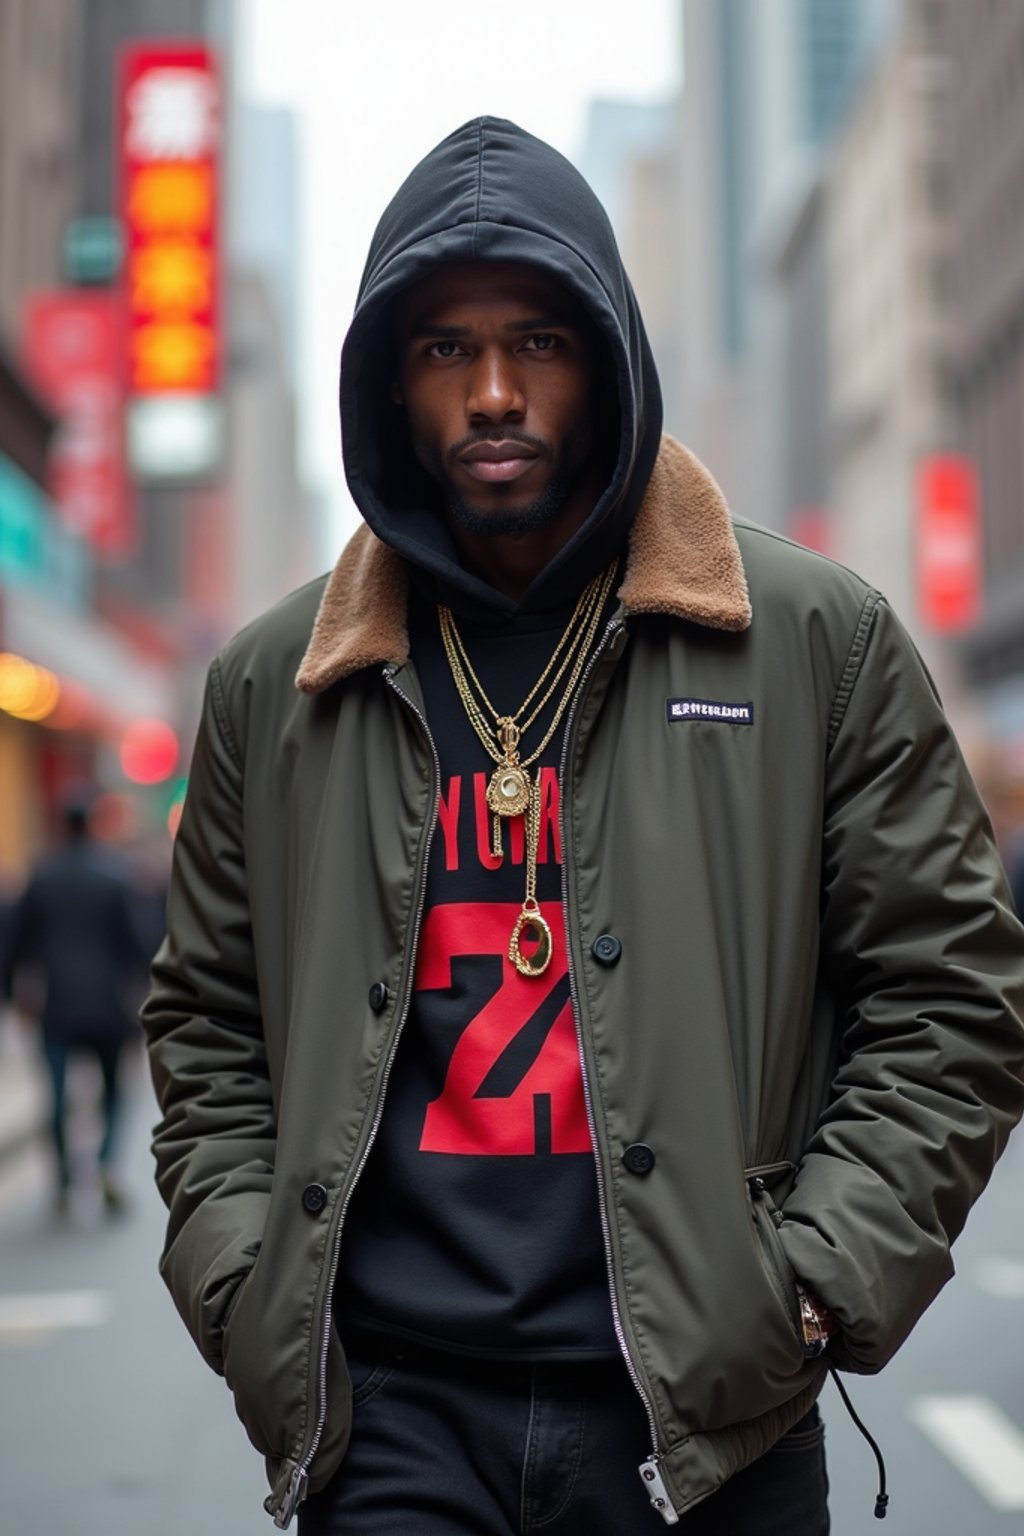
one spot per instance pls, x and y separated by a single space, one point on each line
497 461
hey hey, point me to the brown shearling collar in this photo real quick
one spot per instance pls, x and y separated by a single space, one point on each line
683 560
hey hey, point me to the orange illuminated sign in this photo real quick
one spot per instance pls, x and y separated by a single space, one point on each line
170 147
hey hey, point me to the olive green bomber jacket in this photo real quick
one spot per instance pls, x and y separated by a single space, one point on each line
820 976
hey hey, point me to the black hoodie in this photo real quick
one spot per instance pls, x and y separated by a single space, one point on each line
490 192
475 1226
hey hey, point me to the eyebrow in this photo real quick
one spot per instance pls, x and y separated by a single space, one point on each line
426 330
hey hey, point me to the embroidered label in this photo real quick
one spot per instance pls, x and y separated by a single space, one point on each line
710 709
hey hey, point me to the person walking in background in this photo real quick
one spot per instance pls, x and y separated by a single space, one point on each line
590 1002
74 956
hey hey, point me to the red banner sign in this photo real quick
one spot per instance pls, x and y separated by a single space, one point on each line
170 138
73 353
949 552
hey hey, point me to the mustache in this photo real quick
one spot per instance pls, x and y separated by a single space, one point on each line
536 445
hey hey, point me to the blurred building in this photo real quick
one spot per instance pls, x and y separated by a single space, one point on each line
271 517
629 157
39 41
274 533
765 88
887 238
265 212
106 25
853 315
984 196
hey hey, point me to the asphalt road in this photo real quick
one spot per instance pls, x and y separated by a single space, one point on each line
110 1424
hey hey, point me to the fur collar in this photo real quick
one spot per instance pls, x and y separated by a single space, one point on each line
683 560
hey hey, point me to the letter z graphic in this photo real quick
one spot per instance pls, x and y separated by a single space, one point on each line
513 1086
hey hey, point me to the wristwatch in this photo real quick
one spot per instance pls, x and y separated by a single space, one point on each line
816 1321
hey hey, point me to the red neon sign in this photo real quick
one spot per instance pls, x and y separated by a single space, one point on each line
73 346
949 554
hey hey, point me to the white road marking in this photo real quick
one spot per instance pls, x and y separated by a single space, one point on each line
44 1311
981 1442
1000 1277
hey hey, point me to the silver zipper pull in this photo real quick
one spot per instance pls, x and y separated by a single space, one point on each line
654 1483
292 1499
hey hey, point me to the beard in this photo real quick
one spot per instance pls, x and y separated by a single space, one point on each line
514 521
505 517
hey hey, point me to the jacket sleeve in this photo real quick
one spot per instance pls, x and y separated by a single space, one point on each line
214 1146
926 959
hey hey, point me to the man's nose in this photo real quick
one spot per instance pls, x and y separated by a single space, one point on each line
495 388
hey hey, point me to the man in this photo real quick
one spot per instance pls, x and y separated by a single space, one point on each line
75 927
598 837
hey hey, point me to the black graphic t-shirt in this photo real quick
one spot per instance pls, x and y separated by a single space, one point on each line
475 1223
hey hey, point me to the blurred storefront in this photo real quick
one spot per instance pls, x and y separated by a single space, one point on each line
77 675
150 501
25 432
70 684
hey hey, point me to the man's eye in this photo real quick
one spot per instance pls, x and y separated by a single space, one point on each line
443 349
543 341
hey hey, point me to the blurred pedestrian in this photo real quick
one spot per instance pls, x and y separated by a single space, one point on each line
150 874
590 1004
74 950
8 904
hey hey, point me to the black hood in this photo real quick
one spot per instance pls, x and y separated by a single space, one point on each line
490 192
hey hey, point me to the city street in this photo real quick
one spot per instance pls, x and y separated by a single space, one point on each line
110 1425
408 420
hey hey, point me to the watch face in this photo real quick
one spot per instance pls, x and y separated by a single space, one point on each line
815 1323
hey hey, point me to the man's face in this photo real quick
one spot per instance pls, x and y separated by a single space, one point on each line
496 370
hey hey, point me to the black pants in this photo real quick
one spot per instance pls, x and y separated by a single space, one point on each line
57 1053
443 1447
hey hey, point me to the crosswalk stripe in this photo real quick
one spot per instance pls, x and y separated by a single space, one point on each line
45 1310
981 1442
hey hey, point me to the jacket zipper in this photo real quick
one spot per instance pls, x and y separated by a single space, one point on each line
298 1483
650 1473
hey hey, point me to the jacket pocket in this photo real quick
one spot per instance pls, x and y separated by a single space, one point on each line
236 1293
767 1217
248 1343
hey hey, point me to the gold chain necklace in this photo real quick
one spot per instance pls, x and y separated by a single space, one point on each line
512 790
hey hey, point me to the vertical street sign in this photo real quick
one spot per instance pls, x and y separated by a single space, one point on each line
949 553
170 131
73 353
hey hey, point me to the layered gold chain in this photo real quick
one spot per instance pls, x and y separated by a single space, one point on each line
511 790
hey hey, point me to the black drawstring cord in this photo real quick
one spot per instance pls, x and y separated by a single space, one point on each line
882 1501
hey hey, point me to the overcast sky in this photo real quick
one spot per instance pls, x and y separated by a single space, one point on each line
376 83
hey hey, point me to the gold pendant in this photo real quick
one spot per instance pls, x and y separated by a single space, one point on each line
508 793
530 919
